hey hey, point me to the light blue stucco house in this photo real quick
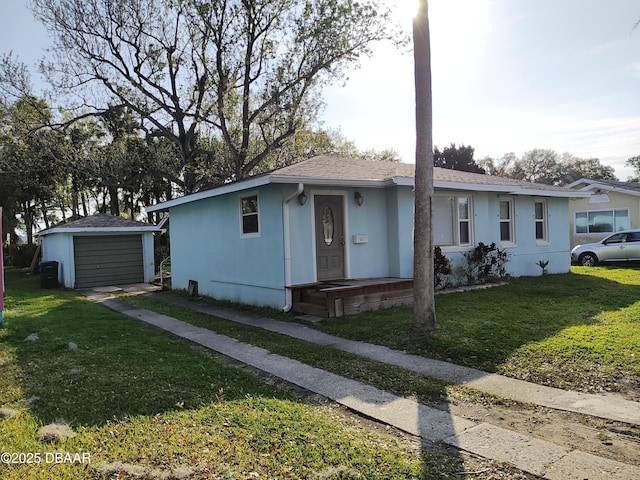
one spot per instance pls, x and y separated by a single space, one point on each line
335 218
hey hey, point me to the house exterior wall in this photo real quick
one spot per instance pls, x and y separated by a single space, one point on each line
528 251
400 231
207 246
58 247
525 251
368 256
618 200
367 259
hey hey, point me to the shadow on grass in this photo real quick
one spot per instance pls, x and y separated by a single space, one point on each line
119 368
483 328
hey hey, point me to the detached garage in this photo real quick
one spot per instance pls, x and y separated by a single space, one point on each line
100 250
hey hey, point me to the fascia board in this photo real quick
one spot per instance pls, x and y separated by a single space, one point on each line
509 190
100 230
595 185
361 183
578 182
328 182
622 190
475 187
552 193
609 188
402 181
214 192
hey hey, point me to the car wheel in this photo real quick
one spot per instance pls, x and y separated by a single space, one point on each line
588 259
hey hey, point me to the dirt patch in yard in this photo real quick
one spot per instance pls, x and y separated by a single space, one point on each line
604 438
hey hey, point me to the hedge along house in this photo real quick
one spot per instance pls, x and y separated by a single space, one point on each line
260 240
100 250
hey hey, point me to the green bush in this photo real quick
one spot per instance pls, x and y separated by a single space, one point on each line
20 255
160 254
441 267
484 264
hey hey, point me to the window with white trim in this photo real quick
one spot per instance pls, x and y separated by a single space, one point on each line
452 220
540 218
506 221
602 221
250 224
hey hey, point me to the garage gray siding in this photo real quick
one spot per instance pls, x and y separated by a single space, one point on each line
108 260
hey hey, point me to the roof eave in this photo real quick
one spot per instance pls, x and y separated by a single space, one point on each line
590 185
214 192
141 229
551 193
328 182
609 188
356 183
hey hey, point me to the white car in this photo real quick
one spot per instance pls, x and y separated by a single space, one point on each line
618 247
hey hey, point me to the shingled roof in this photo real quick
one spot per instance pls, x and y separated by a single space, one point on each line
356 170
352 172
100 223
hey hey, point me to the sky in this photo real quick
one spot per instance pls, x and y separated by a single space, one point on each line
508 76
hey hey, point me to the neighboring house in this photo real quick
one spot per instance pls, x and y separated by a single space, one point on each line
612 206
100 250
333 218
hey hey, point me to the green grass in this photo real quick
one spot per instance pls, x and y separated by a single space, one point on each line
141 398
579 330
387 377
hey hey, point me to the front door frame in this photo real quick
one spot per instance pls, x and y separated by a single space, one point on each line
345 220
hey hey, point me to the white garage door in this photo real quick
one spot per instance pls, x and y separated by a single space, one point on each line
108 260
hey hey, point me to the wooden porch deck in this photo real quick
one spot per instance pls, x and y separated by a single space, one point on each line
336 298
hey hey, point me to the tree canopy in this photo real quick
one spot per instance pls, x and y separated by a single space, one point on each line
547 166
635 163
456 158
228 82
107 164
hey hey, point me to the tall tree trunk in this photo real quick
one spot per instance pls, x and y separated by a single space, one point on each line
114 206
63 211
75 209
45 216
424 312
29 211
85 210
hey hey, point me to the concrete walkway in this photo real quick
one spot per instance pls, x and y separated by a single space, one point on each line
530 454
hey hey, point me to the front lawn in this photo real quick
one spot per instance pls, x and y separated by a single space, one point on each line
579 330
146 405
